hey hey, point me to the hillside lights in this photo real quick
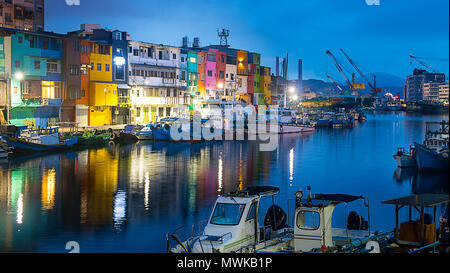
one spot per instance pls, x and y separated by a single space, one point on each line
19 76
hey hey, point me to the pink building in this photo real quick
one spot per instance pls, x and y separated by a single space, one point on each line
211 74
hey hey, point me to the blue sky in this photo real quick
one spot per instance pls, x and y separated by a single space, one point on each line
379 38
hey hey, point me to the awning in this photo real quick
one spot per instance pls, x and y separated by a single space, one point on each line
422 200
123 86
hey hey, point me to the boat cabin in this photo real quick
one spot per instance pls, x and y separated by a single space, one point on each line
232 224
313 222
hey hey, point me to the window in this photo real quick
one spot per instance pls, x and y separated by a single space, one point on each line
309 220
136 52
74 70
17 64
37 65
160 55
138 112
20 39
221 74
174 56
182 59
52 67
252 211
209 73
227 214
107 67
192 60
99 67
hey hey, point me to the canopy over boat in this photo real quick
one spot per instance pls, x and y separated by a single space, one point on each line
254 191
422 200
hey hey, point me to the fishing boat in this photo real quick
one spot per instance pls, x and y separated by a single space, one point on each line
405 159
433 153
90 138
146 133
342 120
326 120
38 140
233 226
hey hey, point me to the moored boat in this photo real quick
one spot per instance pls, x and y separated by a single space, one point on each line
433 153
38 140
233 226
405 159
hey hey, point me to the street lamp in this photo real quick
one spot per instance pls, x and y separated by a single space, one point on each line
292 90
18 76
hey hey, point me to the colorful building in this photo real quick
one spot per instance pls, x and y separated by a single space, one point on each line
265 85
242 76
158 82
211 74
254 60
32 63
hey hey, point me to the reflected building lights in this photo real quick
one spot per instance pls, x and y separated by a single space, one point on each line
48 190
291 166
220 176
146 191
119 208
19 218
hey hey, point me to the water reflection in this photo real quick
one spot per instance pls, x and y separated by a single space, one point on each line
125 198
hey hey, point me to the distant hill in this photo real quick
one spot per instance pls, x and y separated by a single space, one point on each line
388 82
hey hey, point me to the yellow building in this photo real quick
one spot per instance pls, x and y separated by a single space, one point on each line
264 83
103 96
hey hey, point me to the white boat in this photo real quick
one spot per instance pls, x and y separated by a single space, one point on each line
233 227
405 159
145 133
233 224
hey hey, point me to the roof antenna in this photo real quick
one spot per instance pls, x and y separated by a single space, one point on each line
223 36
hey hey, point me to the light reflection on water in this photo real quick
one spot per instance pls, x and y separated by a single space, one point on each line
125 199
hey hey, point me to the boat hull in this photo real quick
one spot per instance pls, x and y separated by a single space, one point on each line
25 146
405 161
428 159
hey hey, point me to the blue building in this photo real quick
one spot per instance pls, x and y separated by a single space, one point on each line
33 61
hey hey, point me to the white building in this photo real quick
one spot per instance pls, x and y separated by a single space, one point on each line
431 91
156 90
443 93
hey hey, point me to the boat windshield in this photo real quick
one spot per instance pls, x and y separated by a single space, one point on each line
227 214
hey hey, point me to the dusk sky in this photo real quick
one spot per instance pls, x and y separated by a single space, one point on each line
379 38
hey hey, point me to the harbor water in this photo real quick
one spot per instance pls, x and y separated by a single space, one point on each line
126 198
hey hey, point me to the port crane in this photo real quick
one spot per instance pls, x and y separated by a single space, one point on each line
373 87
337 85
338 66
424 64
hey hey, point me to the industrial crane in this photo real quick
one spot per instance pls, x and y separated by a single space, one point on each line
338 66
337 85
424 64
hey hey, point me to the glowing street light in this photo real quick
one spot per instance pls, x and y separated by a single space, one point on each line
295 97
119 60
18 76
220 85
292 90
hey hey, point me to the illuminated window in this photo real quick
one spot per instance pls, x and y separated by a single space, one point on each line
52 67
51 90
192 60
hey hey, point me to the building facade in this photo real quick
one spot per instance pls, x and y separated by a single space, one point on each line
158 84
32 64
22 14
415 84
